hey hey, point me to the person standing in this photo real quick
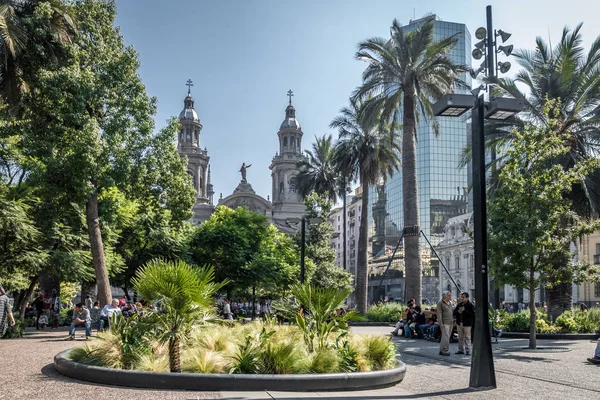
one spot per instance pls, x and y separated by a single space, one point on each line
464 313
55 305
5 312
227 310
444 317
88 302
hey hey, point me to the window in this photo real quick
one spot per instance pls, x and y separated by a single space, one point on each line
298 142
293 184
285 141
597 290
292 141
457 261
281 187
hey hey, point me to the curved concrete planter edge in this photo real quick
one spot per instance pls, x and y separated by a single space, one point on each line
230 382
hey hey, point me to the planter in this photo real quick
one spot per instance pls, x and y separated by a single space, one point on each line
230 382
552 336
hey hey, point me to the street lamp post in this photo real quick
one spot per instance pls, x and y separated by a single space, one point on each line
302 248
453 105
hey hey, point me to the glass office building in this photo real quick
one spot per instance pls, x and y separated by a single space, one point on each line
443 186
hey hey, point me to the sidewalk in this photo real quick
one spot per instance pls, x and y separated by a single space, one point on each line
28 372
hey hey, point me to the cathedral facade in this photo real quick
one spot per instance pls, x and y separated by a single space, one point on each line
287 207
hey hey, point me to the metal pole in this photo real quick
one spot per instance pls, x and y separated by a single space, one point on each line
441 262
491 39
482 362
302 249
344 210
388 266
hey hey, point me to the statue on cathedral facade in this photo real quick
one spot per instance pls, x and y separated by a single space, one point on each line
243 171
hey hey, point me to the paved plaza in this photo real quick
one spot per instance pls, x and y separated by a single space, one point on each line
28 372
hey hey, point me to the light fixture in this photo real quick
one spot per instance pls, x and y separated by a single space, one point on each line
480 45
502 108
477 54
507 50
503 35
481 33
453 105
475 72
504 67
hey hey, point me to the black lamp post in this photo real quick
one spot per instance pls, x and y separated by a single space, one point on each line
453 105
302 221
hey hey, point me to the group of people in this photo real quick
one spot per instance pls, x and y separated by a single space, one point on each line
232 309
86 316
437 323
46 310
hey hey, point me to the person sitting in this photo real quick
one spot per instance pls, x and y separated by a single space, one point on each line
411 319
42 321
107 312
425 329
400 325
81 317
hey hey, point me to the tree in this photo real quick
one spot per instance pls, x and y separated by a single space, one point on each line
405 74
185 294
531 220
317 171
29 26
370 151
569 74
318 246
89 125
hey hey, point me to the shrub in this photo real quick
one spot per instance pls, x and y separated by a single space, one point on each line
518 322
380 352
323 361
204 361
544 327
15 331
567 322
385 312
584 323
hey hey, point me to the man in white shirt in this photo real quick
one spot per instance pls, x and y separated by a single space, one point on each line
107 312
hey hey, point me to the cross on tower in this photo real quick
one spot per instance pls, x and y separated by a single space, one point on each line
290 94
189 84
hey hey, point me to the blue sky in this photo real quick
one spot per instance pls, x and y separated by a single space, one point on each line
243 56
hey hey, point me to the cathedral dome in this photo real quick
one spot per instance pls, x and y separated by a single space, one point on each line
188 111
290 120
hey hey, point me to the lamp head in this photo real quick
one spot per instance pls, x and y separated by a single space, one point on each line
481 33
507 50
503 35
480 45
504 67
477 54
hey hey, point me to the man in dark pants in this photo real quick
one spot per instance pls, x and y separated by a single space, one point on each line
464 313
38 303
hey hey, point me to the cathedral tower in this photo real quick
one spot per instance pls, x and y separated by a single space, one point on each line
188 145
287 203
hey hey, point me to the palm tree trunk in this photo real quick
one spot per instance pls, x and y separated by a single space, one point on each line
560 299
93 223
361 267
174 355
532 309
410 201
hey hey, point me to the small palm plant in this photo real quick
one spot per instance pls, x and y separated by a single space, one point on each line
184 292
318 317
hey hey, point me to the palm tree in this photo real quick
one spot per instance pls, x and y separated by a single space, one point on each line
371 152
405 74
317 170
15 37
568 74
185 295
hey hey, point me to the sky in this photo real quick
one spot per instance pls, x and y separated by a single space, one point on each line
243 56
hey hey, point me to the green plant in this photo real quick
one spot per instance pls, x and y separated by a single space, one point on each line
544 327
585 324
185 293
324 360
385 312
517 322
130 332
567 322
380 352
349 356
318 318
66 315
245 360
15 331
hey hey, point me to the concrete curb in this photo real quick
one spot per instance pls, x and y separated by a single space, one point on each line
369 323
552 336
216 382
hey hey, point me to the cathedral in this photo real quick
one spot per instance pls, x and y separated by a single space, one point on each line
286 208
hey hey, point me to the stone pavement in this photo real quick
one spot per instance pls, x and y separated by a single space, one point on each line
28 372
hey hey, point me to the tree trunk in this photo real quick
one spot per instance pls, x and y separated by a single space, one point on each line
532 309
410 202
362 270
27 297
174 355
560 299
93 223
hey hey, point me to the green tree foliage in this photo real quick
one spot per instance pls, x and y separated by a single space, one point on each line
531 219
246 251
370 151
185 295
318 246
89 129
405 73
